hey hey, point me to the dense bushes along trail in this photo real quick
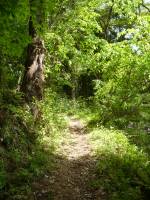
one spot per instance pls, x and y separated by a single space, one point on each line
96 53
97 164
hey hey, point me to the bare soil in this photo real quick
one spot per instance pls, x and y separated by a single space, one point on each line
74 171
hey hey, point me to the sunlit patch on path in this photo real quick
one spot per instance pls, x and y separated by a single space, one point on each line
75 168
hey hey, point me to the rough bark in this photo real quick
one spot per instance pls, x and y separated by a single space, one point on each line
32 84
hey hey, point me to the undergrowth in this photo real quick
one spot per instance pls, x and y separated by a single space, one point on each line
123 170
27 145
123 156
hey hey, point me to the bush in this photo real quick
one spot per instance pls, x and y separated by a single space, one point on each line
122 169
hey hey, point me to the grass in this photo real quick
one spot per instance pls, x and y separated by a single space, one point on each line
123 159
139 137
123 170
123 167
30 146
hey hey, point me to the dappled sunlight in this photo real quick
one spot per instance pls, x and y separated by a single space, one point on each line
75 100
122 169
74 171
139 137
96 166
71 179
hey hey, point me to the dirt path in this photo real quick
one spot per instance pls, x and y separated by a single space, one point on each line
74 170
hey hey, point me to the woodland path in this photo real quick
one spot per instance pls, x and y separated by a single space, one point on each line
75 169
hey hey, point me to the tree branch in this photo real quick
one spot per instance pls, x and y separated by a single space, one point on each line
145 6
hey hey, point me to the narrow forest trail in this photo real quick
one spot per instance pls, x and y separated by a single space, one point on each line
75 168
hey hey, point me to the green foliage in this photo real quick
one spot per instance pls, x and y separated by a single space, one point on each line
70 42
123 90
14 36
27 148
139 137
107 42
122 169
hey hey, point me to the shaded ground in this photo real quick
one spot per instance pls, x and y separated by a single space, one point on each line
74 171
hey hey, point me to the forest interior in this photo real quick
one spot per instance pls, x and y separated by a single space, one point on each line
74 99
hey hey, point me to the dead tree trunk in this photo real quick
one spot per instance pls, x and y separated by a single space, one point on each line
32 84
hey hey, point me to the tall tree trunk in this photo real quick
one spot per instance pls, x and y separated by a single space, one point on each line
33 79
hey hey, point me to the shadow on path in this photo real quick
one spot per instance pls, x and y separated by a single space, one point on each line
74 172
71 180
